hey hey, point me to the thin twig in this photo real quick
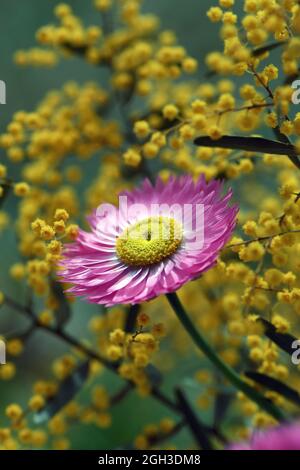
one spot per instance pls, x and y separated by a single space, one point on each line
260 239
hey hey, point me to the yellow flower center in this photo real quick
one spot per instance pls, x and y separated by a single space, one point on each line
149 241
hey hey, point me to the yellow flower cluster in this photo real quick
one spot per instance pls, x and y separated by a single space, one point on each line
134 351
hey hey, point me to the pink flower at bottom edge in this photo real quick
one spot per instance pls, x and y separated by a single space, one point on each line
124 262
285 437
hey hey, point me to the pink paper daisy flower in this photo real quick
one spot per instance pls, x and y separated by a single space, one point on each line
286 437
159 238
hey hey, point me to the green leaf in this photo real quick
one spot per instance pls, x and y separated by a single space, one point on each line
197 428
64 312
67 390
78 50
154 375
252 144
291 78
6 191
283 340
222 403
269 47
249 144
275 385
285 140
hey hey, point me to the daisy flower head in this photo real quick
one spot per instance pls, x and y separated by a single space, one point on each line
160 237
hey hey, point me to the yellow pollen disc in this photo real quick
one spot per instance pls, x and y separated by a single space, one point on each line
149 241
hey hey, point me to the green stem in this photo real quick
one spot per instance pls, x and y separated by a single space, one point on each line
227 371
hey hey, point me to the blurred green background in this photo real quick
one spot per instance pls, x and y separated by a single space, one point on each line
19 21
